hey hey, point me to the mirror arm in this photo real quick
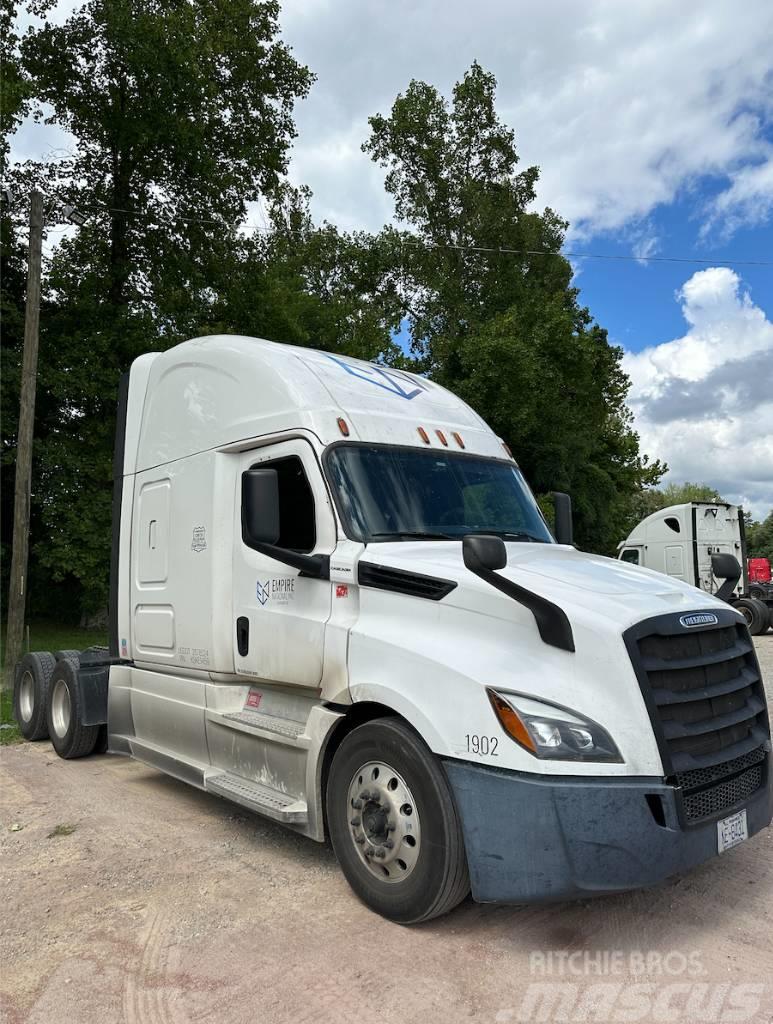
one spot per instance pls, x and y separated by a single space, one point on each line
552 622
315 566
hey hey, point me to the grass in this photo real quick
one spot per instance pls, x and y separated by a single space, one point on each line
45 635
61 830
10 734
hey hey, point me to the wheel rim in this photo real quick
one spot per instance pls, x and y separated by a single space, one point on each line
384 823
747 614
61 709
26 696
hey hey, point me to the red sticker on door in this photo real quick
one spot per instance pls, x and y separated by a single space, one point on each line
342 590
254 698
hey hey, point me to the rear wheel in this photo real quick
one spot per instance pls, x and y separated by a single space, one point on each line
73 655
393 824
30 693
755 613
69 736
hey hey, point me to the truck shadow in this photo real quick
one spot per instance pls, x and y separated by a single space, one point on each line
722 894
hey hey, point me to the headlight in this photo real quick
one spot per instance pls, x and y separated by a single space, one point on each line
551 732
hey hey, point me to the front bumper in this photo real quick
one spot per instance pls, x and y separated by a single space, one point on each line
535 838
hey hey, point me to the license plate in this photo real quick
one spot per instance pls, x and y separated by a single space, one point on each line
732 831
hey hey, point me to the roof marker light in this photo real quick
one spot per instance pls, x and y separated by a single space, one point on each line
442 437
343 426
424 435
458 439
507 449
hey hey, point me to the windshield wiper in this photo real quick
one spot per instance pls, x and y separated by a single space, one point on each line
521 535
415 535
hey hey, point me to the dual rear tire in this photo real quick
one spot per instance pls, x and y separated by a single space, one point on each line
30 694
48 703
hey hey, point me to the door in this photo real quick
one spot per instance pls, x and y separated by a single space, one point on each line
675 561
279 614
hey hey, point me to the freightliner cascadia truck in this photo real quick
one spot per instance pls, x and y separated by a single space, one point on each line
703 543
335 602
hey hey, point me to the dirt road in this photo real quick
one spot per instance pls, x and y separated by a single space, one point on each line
164 905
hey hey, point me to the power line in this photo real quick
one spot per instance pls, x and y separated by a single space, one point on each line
495 250
591 255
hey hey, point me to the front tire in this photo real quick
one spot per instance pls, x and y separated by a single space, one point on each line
393 824
69 736
30 694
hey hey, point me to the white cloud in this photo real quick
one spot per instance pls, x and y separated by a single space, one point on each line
747 201
623 105
704 402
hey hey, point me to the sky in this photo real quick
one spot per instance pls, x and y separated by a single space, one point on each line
652 124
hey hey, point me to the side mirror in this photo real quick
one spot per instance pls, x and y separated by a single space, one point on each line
260 506
728 568
483 552
564 530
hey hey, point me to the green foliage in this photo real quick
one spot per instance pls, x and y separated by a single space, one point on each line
506 331
14 88
174 107
759 538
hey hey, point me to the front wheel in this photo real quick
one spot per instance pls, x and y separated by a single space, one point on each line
393 824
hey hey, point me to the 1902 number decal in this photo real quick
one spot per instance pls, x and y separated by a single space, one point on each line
485 745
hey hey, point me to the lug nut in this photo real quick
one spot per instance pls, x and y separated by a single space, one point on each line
359 839
391 826
388 844
355 822
381 853
357 805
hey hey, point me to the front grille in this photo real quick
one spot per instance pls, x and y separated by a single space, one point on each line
713 802
704 693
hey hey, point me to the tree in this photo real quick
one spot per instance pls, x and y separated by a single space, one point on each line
307 285
759 538
182 114
504 329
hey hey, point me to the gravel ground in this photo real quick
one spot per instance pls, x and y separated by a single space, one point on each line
132 897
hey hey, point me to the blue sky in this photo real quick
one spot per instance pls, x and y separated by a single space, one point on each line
636 302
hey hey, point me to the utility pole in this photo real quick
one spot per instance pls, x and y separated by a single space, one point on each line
17 591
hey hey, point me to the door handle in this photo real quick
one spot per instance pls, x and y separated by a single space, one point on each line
243 635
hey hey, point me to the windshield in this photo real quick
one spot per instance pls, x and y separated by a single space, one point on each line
386 493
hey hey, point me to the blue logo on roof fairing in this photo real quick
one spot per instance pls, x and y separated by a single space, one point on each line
388 380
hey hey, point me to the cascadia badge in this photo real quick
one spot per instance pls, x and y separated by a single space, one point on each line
699 619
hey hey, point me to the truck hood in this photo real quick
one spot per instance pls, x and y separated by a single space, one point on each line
580 583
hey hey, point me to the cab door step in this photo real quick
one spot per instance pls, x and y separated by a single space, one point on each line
268 727
256 797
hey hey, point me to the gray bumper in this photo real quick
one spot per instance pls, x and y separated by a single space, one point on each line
531 838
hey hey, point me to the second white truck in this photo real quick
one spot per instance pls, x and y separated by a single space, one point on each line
335 602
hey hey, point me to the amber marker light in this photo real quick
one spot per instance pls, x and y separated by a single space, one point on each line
458 439
424 435
343 426
510 722
507 449
442 438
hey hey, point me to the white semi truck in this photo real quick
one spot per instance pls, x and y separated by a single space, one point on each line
702 543
335 602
